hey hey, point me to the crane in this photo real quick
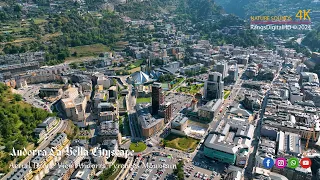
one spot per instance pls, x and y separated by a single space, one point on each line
309 136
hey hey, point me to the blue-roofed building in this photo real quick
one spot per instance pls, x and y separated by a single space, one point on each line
140 78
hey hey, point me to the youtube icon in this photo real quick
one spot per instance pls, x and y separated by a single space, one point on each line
305 163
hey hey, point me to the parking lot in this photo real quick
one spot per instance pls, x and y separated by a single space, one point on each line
153 167
179 101
161 166
202 77
200 173
204 165
29 95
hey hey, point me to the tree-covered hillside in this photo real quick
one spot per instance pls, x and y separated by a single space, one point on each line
312 40
210 21
17 123
202 16
56 32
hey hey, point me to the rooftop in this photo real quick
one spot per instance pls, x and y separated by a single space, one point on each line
289 143
59 171
158 85
58 140
41 157
313 77
51 87
81 174
105 104
145 118
20 173
99 95
212 105
71 90
230 136
38 130
79 99
68 103
180 119
47 121
109 128
140 77
113 88
106 113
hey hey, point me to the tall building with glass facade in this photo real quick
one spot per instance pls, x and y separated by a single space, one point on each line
157 97
213 87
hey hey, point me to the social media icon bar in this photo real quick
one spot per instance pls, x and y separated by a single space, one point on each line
281 163
293 162
305 163
268 163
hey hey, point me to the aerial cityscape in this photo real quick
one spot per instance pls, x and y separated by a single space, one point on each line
159 90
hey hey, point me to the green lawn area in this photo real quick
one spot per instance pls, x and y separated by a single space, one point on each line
143 100
134 70
120 45
112 172
180 142
132 66
89 50
115 174
126 127
136 64
138 147
20 40
226 94
47 37
164 85
175 82
39 21
18 29
193 89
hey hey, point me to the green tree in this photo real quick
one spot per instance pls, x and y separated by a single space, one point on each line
17 123
179 170
17 97
17 8
107 173
166 78
74 65
203 70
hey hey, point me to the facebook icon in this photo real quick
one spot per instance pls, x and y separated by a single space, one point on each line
268 163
